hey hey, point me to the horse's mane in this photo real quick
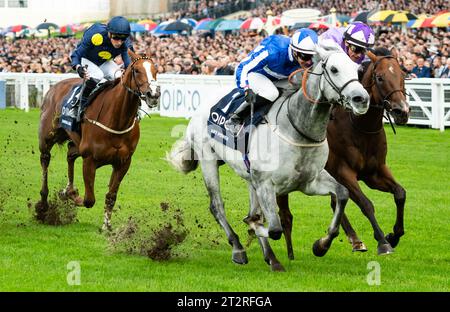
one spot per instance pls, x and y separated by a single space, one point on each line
382 52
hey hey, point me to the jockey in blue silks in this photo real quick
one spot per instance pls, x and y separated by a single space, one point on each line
98 48
274 59
354 39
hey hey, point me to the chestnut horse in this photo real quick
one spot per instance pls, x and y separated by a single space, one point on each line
109 132
358 152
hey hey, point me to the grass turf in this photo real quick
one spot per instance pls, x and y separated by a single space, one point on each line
35 257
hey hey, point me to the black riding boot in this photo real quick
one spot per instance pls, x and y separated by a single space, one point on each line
234 123
90 85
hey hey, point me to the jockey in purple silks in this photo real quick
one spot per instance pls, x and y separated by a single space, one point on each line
355 39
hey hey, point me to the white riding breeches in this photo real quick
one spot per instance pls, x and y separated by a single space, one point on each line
263 86
107 71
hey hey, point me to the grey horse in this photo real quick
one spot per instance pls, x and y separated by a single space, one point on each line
287 153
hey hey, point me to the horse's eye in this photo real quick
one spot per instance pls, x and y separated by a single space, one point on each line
379 78
334 70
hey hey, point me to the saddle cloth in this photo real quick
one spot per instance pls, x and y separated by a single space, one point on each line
223 110
69 108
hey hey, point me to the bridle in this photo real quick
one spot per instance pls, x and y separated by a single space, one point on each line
138 92
386 103
342 101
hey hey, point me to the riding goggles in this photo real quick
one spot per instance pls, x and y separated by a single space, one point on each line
356 49
119 37
303 56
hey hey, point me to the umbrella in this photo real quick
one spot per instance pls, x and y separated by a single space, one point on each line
442 20
299 25
178 26
345 18
229 25
214 23
67 29
161 29
416 23
253 23
203 24
135 27
318 25
189 21
400 17
379 16
361 17
148 24
427 22
16 28
47 26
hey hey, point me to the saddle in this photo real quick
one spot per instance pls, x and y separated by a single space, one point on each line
223 110
70 110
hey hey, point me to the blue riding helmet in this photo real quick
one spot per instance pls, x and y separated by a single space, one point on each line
119 25
304 41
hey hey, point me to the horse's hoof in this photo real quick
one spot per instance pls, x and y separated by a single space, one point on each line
385 249
359 246
275 235
318 249
392 239
41 208
277 267
88 203
239 257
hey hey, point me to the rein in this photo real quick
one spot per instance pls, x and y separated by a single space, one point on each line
137 93
305 94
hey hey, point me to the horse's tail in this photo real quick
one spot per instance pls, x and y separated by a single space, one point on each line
182 157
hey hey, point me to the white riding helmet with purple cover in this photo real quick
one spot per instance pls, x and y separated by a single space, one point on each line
359 34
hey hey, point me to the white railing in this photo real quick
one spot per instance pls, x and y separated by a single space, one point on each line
182 95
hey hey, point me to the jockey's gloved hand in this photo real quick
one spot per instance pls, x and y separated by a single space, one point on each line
81 71
250 96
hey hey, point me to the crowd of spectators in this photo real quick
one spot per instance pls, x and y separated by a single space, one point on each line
422 52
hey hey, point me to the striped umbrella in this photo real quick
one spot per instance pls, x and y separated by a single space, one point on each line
189 21
253 23
427 23
400 17
416 23
148 24
442 20
203 24
380 16
67 29
16 28
318 25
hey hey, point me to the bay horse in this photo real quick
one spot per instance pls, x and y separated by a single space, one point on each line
109 132
358 151
287 153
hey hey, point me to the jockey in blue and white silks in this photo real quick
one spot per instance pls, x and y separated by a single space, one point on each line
354 39
98 48
275 58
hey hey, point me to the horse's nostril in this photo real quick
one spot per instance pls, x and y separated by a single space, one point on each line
358 99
